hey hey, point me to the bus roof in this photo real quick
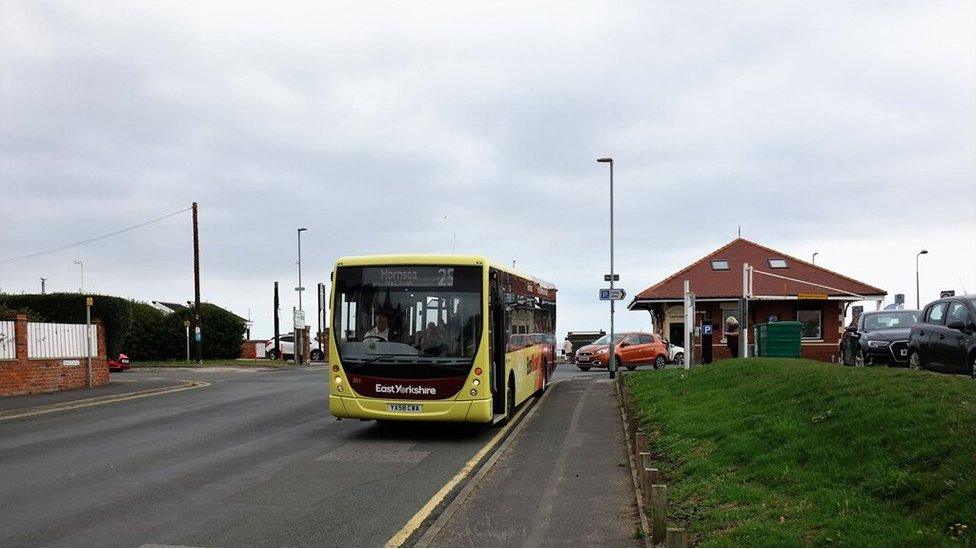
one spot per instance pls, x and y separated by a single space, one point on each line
438 259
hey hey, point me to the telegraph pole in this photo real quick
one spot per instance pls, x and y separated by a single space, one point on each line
196 287
277 336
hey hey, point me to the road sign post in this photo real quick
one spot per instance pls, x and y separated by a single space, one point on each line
88 305
186 327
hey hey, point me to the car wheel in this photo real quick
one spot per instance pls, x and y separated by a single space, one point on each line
859 358
915 361
659 362
316 355
679 359
273 354
630 366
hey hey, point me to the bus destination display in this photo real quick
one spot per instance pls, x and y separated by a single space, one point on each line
409 276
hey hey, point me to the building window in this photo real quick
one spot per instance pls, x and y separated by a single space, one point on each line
721 265
812 324
778 264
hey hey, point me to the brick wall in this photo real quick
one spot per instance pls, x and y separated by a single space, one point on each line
23 376
253 348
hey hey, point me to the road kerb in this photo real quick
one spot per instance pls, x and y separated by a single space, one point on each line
421 516
632 459
99 400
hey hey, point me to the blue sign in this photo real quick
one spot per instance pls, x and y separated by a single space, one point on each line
197 335
706 329
615 294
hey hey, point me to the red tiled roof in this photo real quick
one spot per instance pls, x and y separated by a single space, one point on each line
709 283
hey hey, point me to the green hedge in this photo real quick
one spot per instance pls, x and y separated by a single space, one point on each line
137 329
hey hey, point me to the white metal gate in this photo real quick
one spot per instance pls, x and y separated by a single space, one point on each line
49 340
8 344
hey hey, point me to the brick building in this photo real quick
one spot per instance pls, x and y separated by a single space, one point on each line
717 282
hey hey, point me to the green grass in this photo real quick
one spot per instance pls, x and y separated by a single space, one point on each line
783 452
239 362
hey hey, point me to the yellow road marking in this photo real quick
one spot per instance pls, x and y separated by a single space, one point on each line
411 526
88 402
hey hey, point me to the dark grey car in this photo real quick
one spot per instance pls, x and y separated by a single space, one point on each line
944 340
879 337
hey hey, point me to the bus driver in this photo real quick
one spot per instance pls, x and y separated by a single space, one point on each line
382 329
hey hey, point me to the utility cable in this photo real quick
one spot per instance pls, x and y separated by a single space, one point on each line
90 240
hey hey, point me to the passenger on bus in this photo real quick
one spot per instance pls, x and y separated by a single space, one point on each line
432 340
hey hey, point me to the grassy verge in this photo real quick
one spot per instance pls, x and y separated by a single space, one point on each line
782 452
240 362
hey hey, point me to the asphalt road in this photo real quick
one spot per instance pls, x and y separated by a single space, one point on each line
253 459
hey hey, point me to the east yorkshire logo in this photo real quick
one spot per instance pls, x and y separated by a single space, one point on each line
405 389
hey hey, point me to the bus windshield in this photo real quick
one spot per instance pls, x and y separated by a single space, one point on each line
407 321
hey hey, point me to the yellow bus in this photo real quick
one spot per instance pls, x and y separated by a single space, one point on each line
437 337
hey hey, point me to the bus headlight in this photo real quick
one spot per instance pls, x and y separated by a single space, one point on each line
338 380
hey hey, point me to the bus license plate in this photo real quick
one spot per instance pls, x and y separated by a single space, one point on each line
403 408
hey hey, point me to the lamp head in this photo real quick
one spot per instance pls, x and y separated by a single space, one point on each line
300 229
604 159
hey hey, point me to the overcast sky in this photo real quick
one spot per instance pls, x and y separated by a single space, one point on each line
847 129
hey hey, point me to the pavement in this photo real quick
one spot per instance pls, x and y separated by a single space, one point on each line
119 385
254 459
564 481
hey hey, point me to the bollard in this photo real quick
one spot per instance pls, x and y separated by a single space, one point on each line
643 462
659 512
651 477
640 442
677 537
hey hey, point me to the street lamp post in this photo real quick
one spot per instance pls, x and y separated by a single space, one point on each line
300 288
300 330
918 304
814 258
613 355
82 265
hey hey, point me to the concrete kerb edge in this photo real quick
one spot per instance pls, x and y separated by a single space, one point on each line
632 459
438 523
94 401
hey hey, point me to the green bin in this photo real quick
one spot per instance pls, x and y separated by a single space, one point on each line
779 339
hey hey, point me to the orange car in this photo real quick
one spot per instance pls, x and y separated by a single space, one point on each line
632 349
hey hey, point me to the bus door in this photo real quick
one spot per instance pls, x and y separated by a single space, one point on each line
496 327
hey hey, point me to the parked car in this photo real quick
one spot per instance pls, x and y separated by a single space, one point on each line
879 337
286 344
119 363
944 340
676 354
632 349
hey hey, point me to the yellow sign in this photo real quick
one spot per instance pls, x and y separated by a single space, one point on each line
89 301
811 296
